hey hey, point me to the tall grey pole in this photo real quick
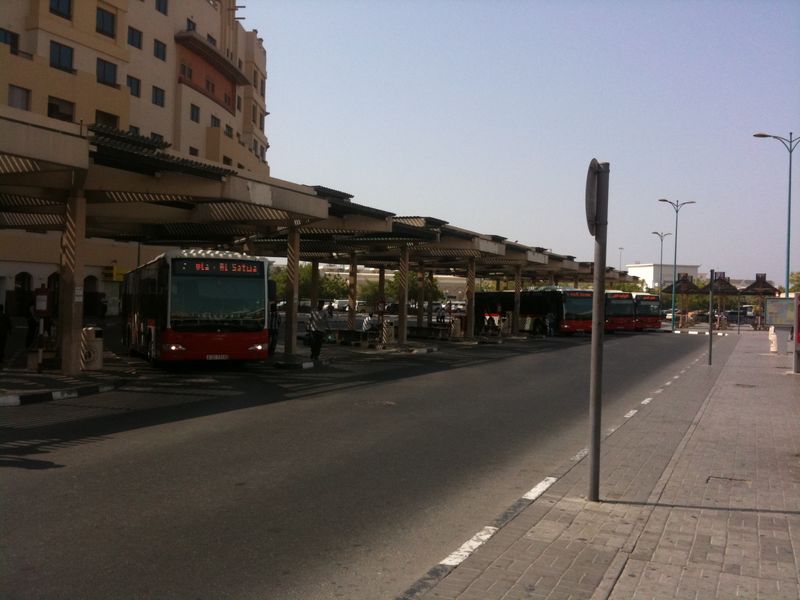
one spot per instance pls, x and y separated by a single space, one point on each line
598 320
710 316
790 145
674 269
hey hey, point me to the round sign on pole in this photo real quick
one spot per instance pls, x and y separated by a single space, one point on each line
591 196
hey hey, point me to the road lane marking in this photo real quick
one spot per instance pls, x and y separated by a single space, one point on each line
647 401
541 487
676 376
468 547
579 455
630 413
658 391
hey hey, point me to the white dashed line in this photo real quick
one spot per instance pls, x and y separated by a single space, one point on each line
541 487
630 413
658 391
579 455
668 383
475 542
647 401
676 376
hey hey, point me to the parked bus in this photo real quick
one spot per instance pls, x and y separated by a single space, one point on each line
620 311
648 311
569 310
197 305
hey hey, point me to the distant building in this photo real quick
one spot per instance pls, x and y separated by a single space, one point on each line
650 273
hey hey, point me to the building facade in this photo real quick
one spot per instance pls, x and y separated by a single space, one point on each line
651 273
183 72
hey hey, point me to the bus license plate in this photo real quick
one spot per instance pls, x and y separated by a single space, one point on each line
216 357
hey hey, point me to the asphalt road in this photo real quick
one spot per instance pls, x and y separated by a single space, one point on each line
344 482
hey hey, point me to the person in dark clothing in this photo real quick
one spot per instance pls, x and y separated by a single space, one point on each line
318 326
33 326
5 332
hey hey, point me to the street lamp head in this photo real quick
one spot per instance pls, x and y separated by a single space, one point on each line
761 134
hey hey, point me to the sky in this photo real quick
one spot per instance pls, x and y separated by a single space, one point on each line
486 114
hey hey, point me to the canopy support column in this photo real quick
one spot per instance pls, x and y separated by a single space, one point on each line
517 299
420 294
293 289
470 332
402 295
314 296
70 309
352 292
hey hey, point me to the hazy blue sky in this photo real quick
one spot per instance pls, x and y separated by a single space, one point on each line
486 114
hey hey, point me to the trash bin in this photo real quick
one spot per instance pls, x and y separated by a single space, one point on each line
91 348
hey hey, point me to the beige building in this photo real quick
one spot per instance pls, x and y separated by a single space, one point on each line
182 72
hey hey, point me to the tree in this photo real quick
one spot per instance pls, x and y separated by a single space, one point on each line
330 286
794 281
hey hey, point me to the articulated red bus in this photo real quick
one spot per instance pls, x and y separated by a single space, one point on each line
620 311
648 311
567 310
197 305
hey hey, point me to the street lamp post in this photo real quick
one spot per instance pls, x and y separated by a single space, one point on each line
677 206
790 145
661 236
620 257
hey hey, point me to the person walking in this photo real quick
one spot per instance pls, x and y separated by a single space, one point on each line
5 331
273 326
318 326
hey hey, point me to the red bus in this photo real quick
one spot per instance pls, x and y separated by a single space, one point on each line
197 305
568 310
648 311
620 311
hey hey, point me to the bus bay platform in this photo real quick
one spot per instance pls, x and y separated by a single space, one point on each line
694 503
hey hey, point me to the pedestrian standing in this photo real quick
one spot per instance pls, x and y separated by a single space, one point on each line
318 325
33 326
273 326
5 331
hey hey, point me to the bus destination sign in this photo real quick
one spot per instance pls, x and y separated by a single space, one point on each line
217 266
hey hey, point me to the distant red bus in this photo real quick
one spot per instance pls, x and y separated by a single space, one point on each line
568 310
620 311
648 311
197 305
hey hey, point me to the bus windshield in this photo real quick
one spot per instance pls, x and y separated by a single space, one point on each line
203 303
578 307
648 308
619 306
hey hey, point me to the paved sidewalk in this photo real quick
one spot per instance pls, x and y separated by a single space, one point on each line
699 499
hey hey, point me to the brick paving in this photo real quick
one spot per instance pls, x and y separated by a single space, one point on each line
700 498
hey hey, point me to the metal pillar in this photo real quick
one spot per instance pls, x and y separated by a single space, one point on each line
292 289
470 330
430 301
352 292
70 302
382 300
402 295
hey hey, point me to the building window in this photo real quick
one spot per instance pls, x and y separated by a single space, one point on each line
240 64
156 137
19 97
62 8
214 121
132 129
229 131
255 115
159 50
61 57
106 23
193 151
158 96
161 6
134 38
190 25
226 160
60 109
107 119
186 71
211 40
194 113
210 87
263 87
238 103
10 38
106 72
135 86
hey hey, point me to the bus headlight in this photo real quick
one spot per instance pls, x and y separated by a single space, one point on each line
174 348
257 347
